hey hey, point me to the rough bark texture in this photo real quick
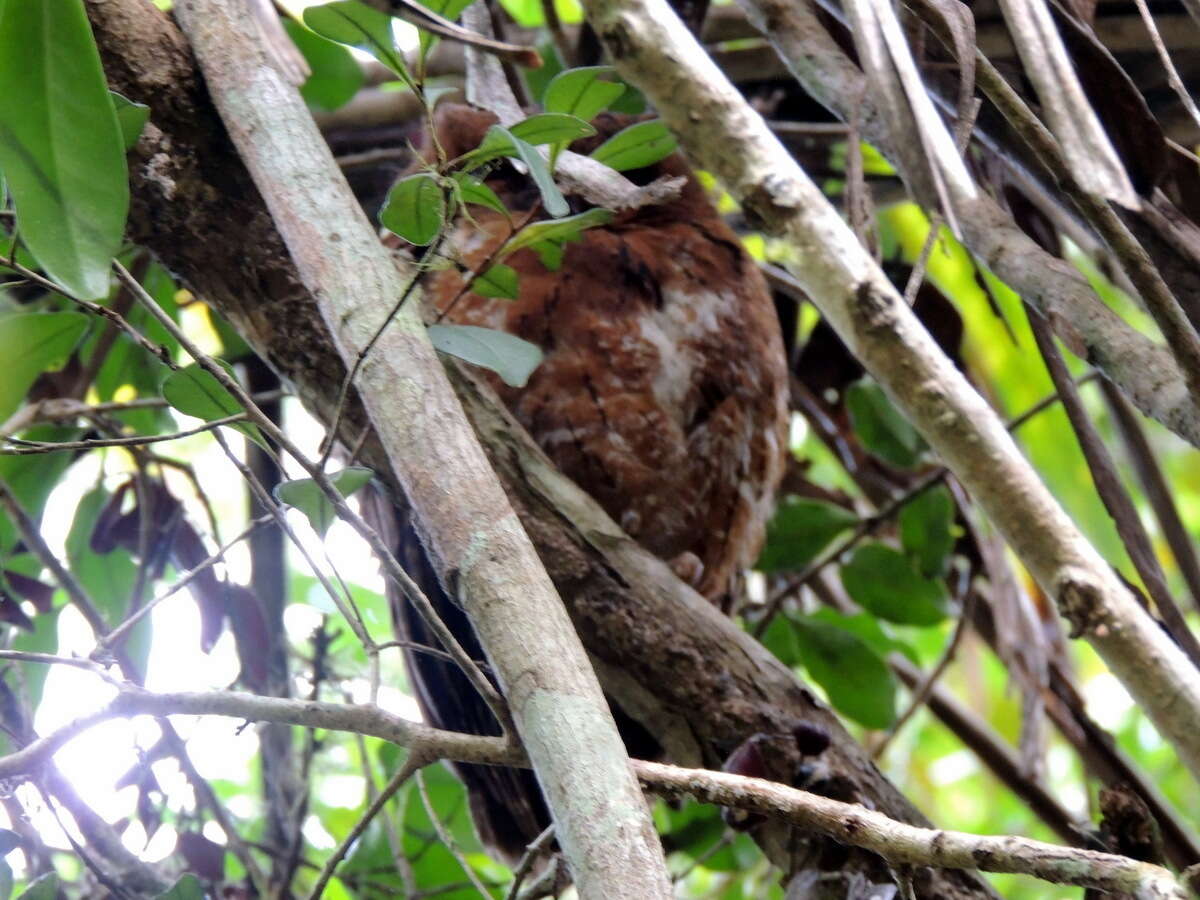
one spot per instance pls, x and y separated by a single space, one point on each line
665 654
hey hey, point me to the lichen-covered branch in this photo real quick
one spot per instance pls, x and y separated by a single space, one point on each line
653 50
847 823
602 819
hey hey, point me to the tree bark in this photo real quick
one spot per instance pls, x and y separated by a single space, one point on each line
602 820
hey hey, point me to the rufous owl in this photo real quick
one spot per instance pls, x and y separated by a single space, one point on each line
662 393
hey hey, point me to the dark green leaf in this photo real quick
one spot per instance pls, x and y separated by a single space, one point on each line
186 888
415 209
638 145
472 190
132 118
780 639
800 529
306 495
857 681
510 357
195 392
45 888
336 75
6 880
498 281
883 581
881 427
867 627
357 25
927 529
33 343
581 92
61 149
32 478
9 841
551 128
559 229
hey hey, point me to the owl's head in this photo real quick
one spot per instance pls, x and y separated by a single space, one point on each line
460 129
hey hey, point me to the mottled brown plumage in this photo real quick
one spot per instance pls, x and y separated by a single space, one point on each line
662 394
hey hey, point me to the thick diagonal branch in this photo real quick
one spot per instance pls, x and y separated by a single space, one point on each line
482 553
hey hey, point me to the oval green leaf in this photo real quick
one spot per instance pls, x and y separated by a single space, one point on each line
638 145
61 149
927 529
186 888
510 357
883 581
306 495
800 529
132 117
472 190
196 392
551 128
881 427
45 888
415 209
32 343
581 92
357 25
336 75
498 281
559 230
855 678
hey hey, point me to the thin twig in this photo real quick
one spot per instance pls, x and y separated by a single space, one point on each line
411 765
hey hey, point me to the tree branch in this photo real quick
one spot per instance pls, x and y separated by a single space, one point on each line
476 541
653 50
847 823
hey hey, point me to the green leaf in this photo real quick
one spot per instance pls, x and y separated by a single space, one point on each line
33 343
9 841
857 681
800 529
447 9
32 478
499 141
186 888
869 628
883 581
558 229
780 639
638 145
306 495
581 92
415 209
195 392
472 190
109 578
510 357
45 888
552 198
61 149
132 118
352 23
336 75
927 529
881 427
499 281
551 128
6 880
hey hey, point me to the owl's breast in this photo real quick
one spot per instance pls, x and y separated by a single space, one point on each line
663 388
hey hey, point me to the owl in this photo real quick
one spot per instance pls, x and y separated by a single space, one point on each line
662 393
